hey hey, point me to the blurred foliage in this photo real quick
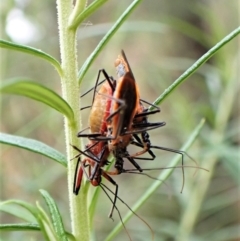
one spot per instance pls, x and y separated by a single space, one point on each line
161 40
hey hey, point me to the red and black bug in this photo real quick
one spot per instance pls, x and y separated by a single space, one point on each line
97 152
127 120
118 118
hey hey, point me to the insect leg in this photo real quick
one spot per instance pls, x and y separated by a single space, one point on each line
77 177
106 176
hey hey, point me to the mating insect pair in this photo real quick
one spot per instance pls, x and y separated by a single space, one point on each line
117 119
117 116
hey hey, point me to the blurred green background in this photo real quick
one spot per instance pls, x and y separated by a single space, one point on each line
161 40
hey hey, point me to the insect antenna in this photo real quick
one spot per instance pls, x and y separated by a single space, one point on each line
130 171
135 171
121 200
182 153
119 214
163 168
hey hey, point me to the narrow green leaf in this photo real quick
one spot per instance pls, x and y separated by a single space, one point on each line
197 65
33 210
29 207
32 51
79 6
55 214
37 92
18 212
41 217
106 39
78 17
131 26
20 227
46 225
156 184
27 227
34 146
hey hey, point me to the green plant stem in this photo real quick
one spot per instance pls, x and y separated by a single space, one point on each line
196 199
78 8
70 91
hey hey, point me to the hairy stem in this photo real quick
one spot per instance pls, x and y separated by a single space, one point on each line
70 91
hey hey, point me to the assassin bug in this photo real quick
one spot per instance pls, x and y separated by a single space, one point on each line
119 128
97 152
96 148
126 118
99 149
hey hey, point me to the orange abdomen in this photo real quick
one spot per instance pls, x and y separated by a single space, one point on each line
100 109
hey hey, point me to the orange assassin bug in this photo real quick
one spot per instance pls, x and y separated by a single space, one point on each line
126 121
97 153
95 148
97 157
125 105
102 138
99 111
